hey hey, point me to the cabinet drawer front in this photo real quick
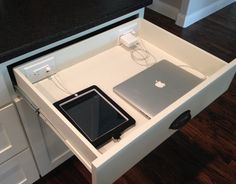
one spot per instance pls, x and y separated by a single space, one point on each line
19 169
12 138
113 164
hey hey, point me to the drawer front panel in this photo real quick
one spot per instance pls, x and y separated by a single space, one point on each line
12 138
19 169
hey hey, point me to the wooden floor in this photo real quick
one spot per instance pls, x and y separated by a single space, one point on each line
204 151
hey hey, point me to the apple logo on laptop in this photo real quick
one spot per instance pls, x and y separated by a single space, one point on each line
160 84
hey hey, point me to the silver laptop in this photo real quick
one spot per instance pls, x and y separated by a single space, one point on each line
155 88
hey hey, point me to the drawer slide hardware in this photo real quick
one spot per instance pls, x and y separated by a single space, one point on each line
27 100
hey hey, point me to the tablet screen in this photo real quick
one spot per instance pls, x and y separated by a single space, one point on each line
93 113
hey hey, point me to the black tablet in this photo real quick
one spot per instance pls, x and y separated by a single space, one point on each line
95 115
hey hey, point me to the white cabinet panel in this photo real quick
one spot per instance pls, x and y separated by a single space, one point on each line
55 147
19 170
12 138
49 151
4 94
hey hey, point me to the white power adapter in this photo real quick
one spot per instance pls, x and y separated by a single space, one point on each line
128 39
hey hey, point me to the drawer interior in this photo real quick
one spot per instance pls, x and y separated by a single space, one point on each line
101 61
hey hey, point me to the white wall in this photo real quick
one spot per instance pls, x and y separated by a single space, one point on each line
194 10
175 3
187 12
169 8
196 5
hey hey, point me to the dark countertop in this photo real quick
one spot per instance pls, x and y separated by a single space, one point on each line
26 25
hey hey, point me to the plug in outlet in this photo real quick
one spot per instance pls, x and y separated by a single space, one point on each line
133 28
40 69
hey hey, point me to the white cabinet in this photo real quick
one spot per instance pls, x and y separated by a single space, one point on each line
49 151
16 161
12 138
107 64
19 170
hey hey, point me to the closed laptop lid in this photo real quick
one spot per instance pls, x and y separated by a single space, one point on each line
155 88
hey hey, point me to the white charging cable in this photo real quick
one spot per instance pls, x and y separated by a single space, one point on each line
141 56
59 84
138 52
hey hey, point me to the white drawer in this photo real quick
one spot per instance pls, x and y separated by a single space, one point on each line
106 64
12 138
19 169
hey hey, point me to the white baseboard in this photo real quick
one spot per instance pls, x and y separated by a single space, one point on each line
165 9
187 20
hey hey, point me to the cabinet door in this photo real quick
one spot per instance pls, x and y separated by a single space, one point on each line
20 169
49 151
12 138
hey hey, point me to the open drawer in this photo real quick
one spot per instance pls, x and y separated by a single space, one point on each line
101 61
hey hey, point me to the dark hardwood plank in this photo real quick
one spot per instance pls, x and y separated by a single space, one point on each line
204 151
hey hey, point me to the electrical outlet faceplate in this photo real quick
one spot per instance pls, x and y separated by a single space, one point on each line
40 69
